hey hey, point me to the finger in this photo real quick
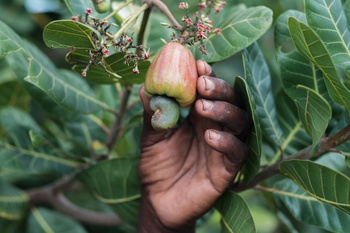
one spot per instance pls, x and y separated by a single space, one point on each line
217 89
204 68
150 136
230 116
235 151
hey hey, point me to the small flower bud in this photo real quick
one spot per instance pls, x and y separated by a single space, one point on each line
105 51
188 21
183 5
202 6
217 31
88 11
135 70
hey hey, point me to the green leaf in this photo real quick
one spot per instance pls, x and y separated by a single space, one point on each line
327 19
240 27
42 220
36 139
315 113
321 182
295 69
77 7
115 182
116 64
64 87
302 82
69 89
97 74
24 160
309 45
17 124
10 226
309 210
78 56
295 137
13 202
254 141
346 9
259 82
235 214
69 34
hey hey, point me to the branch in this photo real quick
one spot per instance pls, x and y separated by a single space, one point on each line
165 10
325 144
53 195
117 126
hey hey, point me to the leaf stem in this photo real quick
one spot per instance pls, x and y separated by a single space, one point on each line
325 144
131 20
118 9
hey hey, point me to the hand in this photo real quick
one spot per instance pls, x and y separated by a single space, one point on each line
185 170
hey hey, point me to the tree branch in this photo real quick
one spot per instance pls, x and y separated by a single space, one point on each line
53 195
165 10
117 126
325 144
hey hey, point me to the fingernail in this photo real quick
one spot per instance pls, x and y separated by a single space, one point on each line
209 85
208 69
214 135
207 105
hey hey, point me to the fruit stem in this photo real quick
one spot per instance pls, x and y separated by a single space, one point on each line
166 112
131 20
118 9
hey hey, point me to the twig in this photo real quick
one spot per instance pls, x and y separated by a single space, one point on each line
144 22
130 21
165 10
117 126
325 144
53 195
118 9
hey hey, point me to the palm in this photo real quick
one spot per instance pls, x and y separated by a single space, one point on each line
181 175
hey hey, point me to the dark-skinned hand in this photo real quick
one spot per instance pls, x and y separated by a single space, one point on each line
185 170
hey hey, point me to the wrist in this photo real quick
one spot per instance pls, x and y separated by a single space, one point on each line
150 222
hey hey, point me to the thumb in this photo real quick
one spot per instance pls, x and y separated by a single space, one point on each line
150 136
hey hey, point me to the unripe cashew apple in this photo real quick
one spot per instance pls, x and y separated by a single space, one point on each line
172 78
102 6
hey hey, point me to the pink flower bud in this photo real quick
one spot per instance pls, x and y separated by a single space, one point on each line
202 6
217 31
135 70
188 21
183 5
88 11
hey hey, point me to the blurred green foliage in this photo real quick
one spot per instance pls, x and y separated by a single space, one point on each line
28 20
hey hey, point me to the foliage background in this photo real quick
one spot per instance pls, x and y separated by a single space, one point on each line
28 21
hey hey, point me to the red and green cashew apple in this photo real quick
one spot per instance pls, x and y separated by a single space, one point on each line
171 83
